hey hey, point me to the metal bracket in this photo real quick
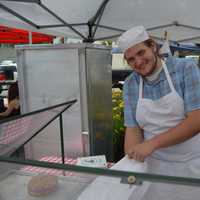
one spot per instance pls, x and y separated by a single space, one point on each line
131 180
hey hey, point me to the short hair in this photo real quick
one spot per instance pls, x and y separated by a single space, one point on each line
150 42
13 92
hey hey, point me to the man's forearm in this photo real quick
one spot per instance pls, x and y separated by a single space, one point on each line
182 132
133 136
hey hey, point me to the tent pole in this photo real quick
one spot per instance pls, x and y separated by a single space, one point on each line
96 17
18 15
30 38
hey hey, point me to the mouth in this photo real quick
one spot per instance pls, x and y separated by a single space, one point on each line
141 68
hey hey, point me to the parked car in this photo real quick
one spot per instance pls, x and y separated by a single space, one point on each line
8 70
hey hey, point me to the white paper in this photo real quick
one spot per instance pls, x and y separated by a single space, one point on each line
110 188
93 161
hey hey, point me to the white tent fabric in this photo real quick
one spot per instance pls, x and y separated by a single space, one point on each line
180 18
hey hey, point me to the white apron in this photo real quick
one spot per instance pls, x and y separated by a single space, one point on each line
158 116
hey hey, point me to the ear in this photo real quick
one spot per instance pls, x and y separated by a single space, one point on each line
153 47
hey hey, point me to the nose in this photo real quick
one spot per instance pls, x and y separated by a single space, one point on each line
138 62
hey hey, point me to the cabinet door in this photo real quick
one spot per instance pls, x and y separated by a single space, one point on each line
49 76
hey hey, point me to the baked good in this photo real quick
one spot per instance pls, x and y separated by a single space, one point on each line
42 185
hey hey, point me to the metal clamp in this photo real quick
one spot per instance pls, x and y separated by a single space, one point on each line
131 180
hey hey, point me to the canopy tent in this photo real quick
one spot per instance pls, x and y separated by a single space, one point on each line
18 36
93 20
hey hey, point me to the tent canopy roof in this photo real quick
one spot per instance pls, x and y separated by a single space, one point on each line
92 20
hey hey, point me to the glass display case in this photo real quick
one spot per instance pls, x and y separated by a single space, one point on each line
78 182
127 179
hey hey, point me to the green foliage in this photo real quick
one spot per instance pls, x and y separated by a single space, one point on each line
118 116
107 42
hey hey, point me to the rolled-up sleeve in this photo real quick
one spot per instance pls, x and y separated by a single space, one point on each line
129 105
191 86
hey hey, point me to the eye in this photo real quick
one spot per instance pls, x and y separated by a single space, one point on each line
141 52
131 60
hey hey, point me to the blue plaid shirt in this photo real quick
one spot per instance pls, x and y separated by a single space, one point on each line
185 76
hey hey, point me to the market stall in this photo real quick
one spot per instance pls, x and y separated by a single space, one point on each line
90 21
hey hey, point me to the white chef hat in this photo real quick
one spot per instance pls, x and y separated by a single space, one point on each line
132 37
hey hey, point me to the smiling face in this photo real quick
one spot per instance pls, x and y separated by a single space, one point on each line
142 58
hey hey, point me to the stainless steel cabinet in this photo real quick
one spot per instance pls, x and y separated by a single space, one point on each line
52 74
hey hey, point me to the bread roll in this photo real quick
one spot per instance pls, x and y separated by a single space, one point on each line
42 185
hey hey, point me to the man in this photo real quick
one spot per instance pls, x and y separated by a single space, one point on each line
162 112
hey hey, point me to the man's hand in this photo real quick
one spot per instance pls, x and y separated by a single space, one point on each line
141 151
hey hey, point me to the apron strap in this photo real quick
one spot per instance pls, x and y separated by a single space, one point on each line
171 85
140 88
